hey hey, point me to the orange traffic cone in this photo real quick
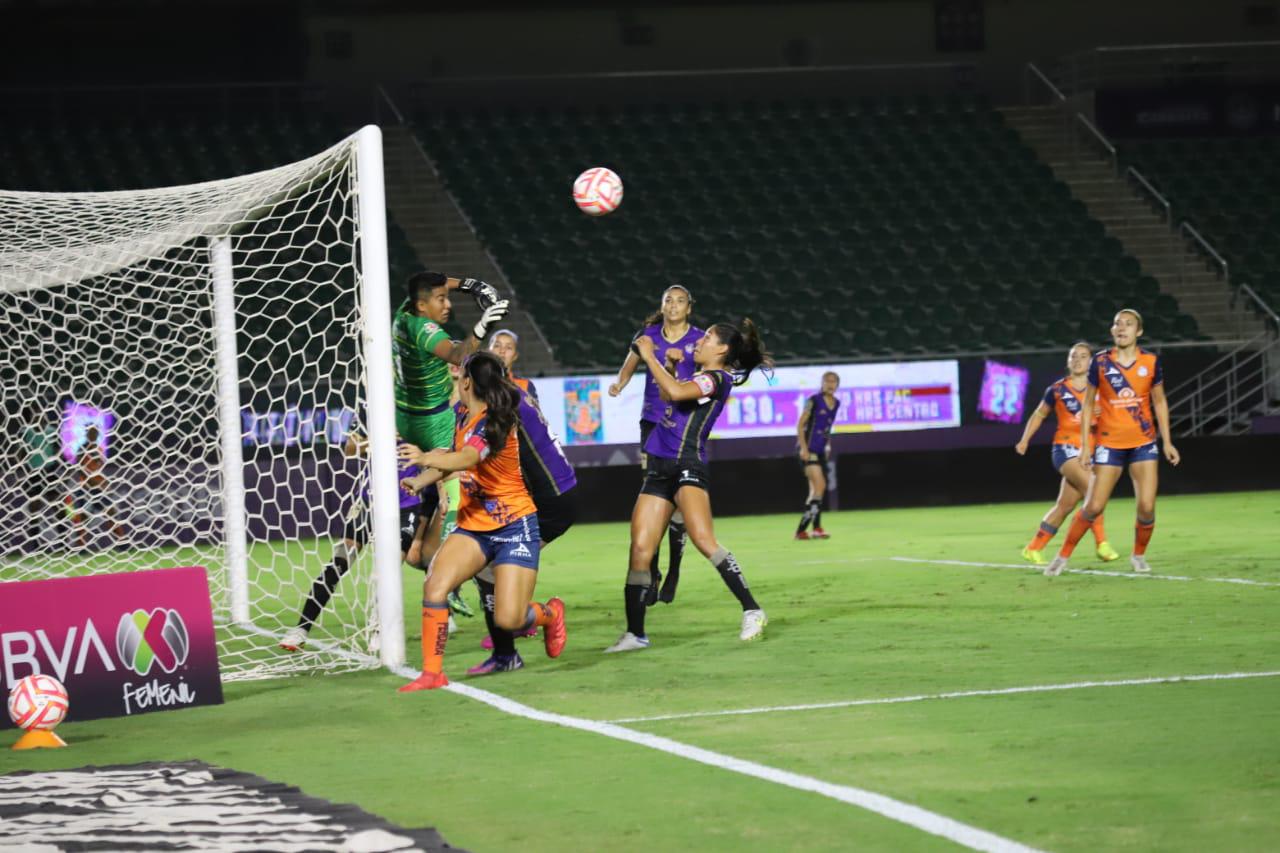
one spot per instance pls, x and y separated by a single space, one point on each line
39 739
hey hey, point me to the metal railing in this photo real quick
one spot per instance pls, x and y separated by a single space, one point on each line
462 215
1222 397
1031 72
1102 140
1154 193
1187 228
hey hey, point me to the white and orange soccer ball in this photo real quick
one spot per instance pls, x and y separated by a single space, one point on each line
37 702
598 191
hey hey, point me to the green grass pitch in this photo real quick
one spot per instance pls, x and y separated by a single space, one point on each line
1170 766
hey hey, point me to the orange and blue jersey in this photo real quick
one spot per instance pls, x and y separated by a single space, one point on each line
1123 402
1066 402
493 491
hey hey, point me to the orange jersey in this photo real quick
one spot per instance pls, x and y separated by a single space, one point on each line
526 386
1066 402
493 492
1123 402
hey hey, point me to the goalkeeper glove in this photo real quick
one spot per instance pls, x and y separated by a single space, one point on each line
490 318
484 293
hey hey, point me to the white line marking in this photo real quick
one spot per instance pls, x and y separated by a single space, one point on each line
1126 575
922 819
960 694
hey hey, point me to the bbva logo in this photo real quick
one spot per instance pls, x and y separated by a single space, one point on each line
144 639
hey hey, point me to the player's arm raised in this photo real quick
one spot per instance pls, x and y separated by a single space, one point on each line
455 352
625 373
1033 423
671 388
1160 403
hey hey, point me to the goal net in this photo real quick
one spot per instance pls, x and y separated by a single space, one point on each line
179 370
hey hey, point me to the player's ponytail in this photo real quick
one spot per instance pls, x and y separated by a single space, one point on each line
746 349
501 397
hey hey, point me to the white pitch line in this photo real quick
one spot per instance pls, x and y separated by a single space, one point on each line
914 816
959 694
922 819
1127 575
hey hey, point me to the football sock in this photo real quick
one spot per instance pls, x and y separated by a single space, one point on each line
504 642
806 518
635 595
731 573
537 614
1099 532
1042 537
675 540
435 633
1079 526
817 514
1142 534
321 591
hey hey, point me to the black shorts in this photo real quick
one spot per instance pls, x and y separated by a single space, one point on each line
646 428
821 461
664 477
357 529
556 514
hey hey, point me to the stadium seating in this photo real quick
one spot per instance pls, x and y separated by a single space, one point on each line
846 228
1227 189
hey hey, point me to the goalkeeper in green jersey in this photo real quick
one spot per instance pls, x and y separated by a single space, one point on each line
422 352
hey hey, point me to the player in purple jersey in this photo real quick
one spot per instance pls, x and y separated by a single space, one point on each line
813 437
415 511
677 474
551 482
673 340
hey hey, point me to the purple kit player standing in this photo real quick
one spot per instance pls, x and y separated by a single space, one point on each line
677 475
673 342
415 511
813 435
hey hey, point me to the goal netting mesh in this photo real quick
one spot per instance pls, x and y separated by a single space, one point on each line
123 417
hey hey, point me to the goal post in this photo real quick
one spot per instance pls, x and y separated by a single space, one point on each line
219 340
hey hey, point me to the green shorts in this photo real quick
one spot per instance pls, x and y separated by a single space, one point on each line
428 432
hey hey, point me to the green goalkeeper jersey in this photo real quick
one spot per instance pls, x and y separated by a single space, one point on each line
422 377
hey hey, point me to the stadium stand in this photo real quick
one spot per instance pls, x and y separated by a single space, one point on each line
849 227
1227 189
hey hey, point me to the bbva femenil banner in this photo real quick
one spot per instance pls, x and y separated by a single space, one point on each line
122 644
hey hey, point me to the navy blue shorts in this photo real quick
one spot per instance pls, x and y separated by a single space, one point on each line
1126 456
516 544
1062 452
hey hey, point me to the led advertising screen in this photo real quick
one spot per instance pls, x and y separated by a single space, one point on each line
1004 390
873 397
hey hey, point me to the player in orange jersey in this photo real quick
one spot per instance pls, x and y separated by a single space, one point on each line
497 520
1126 387
1064 399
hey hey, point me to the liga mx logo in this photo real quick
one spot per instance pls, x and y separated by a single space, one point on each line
144 639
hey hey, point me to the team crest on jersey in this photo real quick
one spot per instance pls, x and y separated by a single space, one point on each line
1142 371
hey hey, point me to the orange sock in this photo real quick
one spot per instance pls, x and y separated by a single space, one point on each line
1099 532
1079 526
1042 537
1142 535
435 633
538 614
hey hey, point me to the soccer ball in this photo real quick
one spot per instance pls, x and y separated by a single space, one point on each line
598 191
37 702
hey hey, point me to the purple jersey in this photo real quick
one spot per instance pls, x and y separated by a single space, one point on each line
821 419
546 470
682 432
653 403
404 472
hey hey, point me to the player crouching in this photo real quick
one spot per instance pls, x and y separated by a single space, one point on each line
497 520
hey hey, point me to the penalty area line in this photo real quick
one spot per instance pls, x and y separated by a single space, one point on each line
914 816
958 694
1099 572
897 810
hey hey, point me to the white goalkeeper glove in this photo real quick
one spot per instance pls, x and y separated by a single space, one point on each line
485 294
490 318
